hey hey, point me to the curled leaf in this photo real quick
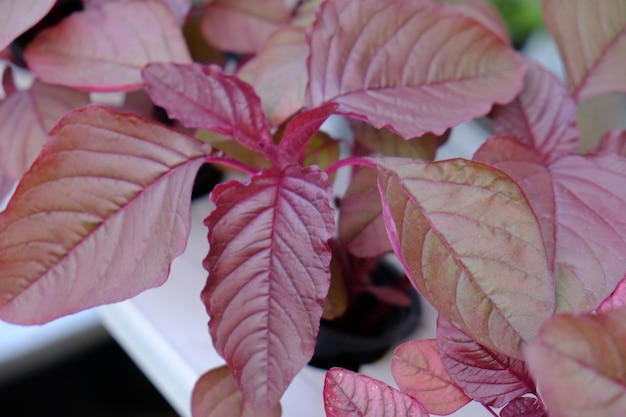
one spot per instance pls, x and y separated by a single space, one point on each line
81 229
417 369
524 406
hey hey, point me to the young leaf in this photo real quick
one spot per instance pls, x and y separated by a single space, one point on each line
16 16
348 394
417 369
82 228
204 97
301 129
361 223
524 406
26 117
543 116
570 196
579 363
428 71
269 273
104 49
484 375
472 245
251 20
216 395
591 36
278 73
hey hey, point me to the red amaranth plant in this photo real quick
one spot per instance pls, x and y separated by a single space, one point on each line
522 250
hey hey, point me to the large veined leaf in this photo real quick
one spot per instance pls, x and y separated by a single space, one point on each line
99 216
216 395
591 36
16 16
410 66
104 49
361 223
543 116
571 196
487 14
278 73
26 117
579 363
204 97
269 273
472 245
419 372
251 20
349 394
486 376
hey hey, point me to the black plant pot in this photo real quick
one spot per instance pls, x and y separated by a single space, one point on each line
370 327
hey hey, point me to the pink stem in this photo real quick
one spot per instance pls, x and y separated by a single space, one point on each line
490 410
350 162
229 162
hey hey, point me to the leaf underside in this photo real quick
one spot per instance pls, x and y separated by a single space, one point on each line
16 16
349 394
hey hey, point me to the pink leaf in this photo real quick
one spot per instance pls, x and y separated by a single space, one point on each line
251 20
613 141
361 223
26 117
419 372
524 406
484 375
348 394
410 66
278 73
204 97
269 273
301 129
16 16
571 196
472 245
216 395
591 36
104 49
543 116
180 8
579 363
82 228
